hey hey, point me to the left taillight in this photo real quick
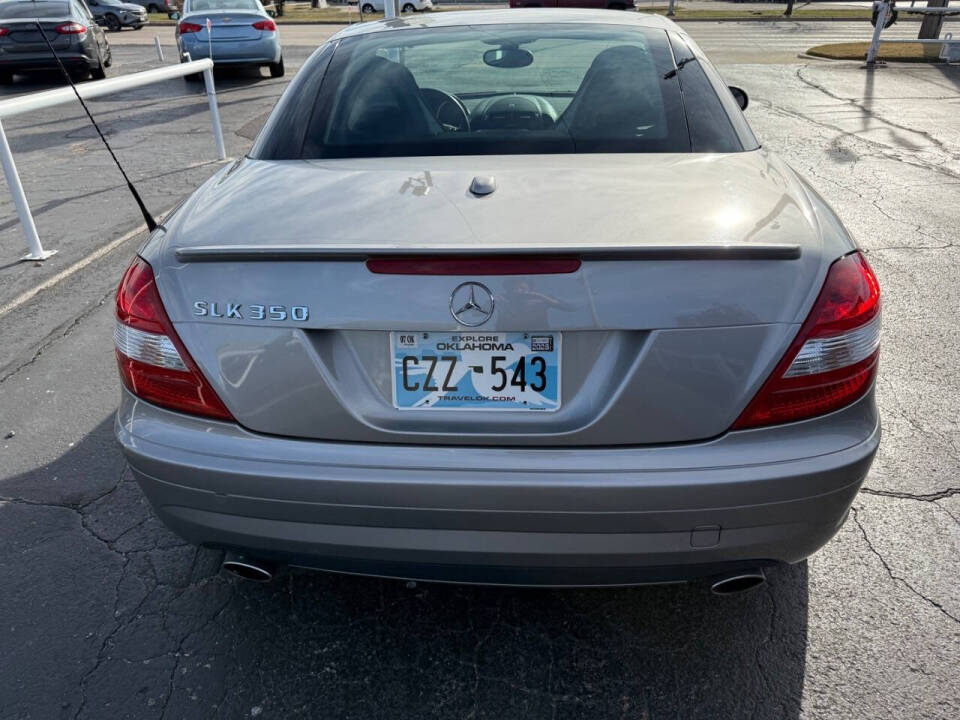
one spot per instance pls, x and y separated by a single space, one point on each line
71 28
154 364
4 31
267 25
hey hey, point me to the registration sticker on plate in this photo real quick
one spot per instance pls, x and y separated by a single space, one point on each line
476 371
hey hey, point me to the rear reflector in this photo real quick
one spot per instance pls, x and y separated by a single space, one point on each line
833 360
154 364
459 265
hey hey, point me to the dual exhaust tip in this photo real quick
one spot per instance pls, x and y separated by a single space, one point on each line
249 568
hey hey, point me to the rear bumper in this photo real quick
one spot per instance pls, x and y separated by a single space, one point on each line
247 52
12 62
593 516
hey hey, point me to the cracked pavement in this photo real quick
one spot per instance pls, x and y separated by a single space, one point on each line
107 614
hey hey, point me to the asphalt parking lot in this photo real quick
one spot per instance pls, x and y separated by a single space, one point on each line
106 614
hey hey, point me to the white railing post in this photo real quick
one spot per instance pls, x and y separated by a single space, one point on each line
20 200
389 9
875 43
156 44
21 104
214 113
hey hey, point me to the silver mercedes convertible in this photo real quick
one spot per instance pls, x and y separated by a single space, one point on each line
507 297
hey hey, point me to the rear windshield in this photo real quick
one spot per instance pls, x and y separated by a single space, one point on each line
208 5
489 89
12 11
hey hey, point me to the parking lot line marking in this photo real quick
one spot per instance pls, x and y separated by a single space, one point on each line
79 265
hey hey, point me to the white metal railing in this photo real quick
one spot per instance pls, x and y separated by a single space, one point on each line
886 7
49 98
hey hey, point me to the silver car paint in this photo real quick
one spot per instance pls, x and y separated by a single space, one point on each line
647 334
656 353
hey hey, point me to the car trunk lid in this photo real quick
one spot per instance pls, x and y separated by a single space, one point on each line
693 274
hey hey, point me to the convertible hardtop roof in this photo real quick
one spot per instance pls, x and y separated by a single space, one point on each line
531 16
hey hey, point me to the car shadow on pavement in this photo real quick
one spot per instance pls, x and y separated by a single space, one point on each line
137 623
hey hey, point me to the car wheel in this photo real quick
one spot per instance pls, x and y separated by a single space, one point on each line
367 8
276 69
408 8
99 72
113 22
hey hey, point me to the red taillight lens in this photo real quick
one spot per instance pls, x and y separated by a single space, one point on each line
833 360
268 25
4 31
71 28
154 364
186 28
490 265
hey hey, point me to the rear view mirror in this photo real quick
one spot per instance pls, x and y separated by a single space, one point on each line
508 56
740 96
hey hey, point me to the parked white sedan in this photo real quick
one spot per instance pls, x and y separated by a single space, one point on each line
372 6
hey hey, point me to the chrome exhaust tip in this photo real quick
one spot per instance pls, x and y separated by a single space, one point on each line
248 568
737 582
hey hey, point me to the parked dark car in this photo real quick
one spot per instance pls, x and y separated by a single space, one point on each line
115 15
69 26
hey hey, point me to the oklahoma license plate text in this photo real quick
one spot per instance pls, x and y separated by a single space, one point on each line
476 371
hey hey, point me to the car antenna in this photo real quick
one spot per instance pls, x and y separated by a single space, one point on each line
148 218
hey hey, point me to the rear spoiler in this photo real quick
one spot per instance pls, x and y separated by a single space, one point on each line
327 253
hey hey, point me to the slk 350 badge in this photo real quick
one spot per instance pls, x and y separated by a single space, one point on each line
239 311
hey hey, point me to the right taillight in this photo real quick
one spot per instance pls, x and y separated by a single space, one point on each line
154 364
266 25
187 27
71 28
833 360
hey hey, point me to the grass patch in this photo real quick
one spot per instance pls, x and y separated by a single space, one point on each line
894 52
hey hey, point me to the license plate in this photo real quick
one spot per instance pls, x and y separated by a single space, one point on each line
476 371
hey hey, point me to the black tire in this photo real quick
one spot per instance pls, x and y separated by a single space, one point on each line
367 9
112 22
408 8
276 69
99 72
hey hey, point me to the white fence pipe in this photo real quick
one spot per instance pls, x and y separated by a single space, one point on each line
159 47
884 11
214 113
20 200
389 9
50 98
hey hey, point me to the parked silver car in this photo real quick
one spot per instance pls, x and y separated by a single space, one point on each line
503 297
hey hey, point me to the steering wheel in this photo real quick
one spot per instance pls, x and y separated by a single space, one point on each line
448 109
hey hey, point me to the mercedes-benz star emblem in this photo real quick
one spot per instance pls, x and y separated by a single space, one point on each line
471 304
